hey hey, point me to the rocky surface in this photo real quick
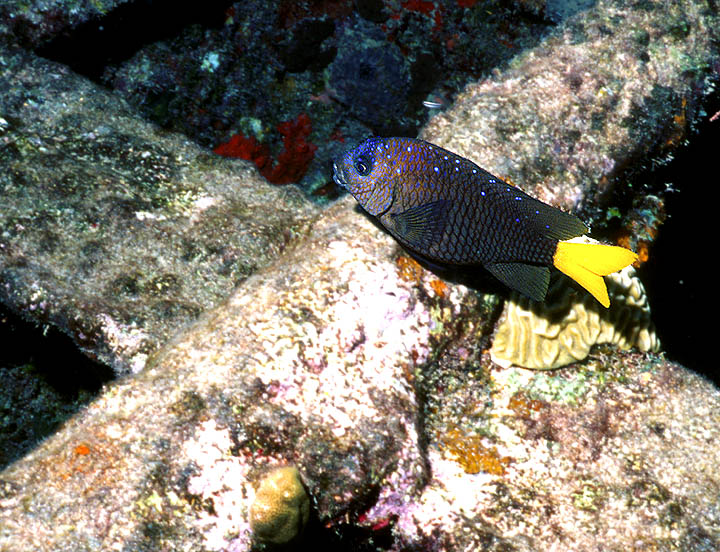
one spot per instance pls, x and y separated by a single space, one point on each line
300 367
33 23
272 377
238 74
602 458
327 349
113 231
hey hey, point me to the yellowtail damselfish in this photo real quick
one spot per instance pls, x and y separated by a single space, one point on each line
446 209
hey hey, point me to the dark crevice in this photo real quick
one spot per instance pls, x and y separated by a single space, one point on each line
46 380
89 48
675 275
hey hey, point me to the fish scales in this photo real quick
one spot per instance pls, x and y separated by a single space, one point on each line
446 209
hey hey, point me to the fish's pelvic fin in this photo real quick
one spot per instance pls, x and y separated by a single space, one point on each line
587 263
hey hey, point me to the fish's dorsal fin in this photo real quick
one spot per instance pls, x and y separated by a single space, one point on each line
423 225
545 219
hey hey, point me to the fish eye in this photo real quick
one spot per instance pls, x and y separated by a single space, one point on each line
362 166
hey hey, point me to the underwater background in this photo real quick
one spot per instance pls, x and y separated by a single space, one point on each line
289 86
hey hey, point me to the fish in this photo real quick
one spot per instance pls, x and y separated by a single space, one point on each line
445 209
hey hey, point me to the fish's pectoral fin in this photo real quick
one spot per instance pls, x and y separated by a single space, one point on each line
530 280
422 226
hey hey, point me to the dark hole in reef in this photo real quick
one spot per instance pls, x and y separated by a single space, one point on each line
45 380
117 36
676 274
366 71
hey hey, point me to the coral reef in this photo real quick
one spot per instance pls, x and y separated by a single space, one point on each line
244 67
564 328
326 353
152 228
643 224
33 23
281 508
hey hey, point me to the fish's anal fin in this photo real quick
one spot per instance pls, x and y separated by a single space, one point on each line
587 263
422 226
530 280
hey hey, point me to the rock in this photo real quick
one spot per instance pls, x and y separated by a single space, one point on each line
115 232
601 92
33 23
271 378
617 452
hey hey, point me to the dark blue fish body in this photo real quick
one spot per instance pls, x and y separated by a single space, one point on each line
446 209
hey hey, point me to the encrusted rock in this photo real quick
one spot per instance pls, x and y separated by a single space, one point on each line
563 329
116 232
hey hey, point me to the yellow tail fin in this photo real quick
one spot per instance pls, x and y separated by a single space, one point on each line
587 263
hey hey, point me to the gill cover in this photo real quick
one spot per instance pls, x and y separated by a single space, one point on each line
361 173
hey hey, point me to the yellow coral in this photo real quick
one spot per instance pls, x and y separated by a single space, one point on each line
564 328
281 507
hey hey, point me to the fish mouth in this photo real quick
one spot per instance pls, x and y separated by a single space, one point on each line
339 176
